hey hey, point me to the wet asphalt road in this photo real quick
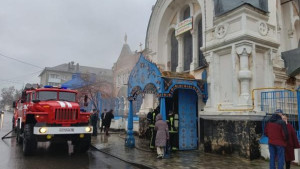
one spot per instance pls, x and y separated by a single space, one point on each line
52 156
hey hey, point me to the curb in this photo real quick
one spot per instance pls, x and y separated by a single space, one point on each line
141 166
137 147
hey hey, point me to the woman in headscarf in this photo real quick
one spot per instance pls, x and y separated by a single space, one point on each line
292 143
162 135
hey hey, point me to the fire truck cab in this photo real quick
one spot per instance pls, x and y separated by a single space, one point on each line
50 114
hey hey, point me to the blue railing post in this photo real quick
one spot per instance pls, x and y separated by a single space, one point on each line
129 140
163 108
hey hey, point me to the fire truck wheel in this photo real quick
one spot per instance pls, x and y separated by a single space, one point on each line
82 145
29 141
18 137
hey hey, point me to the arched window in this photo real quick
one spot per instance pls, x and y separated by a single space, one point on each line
202 61
188 50
188 43
186 13
174 52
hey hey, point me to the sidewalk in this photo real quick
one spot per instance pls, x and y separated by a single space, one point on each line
114 145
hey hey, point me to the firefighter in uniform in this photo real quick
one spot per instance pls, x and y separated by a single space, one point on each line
151 120
173 131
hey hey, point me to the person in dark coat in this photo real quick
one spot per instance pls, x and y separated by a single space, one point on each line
162 135
277 133
107 120
291 144
102 120
94 120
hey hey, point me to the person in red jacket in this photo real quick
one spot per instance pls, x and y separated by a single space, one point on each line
291 144
277 133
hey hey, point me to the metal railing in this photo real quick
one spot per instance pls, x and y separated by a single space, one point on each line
286 100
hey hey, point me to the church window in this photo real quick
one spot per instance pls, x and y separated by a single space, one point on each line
174 52
186 13
202 61
188 50
222 7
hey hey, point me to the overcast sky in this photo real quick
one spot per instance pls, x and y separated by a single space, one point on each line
47 33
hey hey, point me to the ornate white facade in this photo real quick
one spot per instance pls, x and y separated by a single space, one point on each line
241 51
242 48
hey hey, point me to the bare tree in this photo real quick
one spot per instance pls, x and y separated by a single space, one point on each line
7 95
17 94
91 86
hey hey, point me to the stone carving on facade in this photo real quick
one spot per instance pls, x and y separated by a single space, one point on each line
244 75
221 31
263 28
150 89
167 83
291 33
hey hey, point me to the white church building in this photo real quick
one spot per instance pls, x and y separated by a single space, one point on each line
236 47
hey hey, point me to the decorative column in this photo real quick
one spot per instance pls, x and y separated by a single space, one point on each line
180 53
210 83
244 74
163 108
129 140
195 62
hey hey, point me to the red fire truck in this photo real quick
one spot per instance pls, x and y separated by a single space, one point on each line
50 114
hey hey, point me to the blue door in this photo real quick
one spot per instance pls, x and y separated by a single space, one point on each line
187 102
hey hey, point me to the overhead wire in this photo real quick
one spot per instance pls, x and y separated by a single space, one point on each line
18 60
13 80
10 81
25 75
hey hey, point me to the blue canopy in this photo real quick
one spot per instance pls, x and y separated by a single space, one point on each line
77 81
146 77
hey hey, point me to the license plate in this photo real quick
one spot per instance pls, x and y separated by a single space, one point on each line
66 130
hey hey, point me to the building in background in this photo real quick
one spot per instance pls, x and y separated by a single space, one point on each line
121 70
57 75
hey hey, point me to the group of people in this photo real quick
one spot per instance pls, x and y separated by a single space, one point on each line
106 118
282 137
282 140
163 133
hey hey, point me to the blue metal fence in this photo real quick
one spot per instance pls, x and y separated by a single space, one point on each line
286 100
